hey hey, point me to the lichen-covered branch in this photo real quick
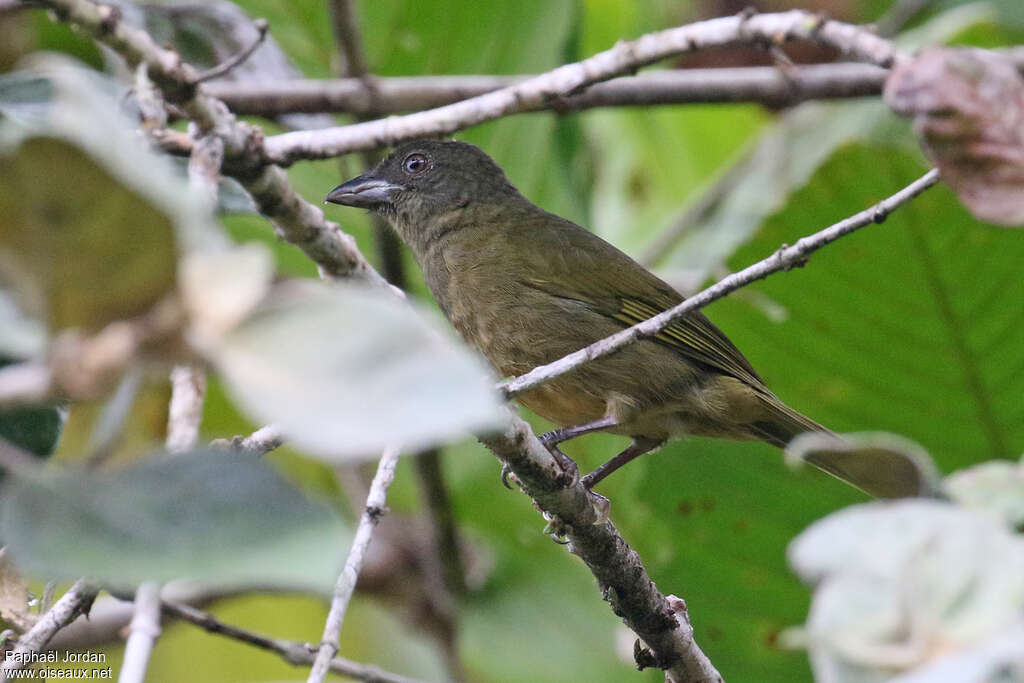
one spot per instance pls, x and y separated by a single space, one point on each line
346 583
75 602
764 84
854 42
619 571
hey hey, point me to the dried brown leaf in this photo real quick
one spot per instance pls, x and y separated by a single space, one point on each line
968 109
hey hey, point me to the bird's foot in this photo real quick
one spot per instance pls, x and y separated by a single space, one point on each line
570 470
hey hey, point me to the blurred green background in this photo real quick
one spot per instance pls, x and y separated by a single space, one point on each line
912 326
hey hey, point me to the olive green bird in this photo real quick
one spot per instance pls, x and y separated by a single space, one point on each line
526 287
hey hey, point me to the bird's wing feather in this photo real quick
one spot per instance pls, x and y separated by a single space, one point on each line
620 288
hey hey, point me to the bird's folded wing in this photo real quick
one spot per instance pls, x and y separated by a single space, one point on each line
694 336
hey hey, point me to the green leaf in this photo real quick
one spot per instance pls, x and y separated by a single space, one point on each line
36 430
225 518
909 327
89 248
346 371
93 216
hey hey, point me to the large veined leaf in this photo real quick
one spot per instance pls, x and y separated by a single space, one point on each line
347 371
207 515
909 327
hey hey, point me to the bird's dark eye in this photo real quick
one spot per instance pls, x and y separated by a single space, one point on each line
415 164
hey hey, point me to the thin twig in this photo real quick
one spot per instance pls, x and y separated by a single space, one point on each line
762 84
144 629
75 602
785 258
399 94
185 412
260 442
349 39
221 69
619 571
108 427
439 509
291 651
442 567
346 584
569 79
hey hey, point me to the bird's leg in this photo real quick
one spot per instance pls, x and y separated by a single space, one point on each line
552 439
639 446
565 433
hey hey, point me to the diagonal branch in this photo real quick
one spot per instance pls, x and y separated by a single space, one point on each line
291 651
619 571
569 79
784 259
76 601
346 584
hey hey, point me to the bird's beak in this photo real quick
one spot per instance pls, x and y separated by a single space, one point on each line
365 191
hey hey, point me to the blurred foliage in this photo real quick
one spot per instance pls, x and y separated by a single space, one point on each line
229 517
911 326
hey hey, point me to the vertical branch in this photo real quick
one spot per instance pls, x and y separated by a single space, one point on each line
350 40
346 584
184 417
185 413
446 555
144 629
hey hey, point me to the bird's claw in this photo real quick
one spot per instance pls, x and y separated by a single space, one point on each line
506 473
570 470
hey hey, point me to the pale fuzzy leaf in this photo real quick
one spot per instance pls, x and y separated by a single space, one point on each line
221 287
85 110
346 371
84 247
94 217
996 487
999 659
900 584
883 465
224 518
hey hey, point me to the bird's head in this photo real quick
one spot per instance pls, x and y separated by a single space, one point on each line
425 180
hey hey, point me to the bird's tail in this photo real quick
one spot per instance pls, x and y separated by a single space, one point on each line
878 472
